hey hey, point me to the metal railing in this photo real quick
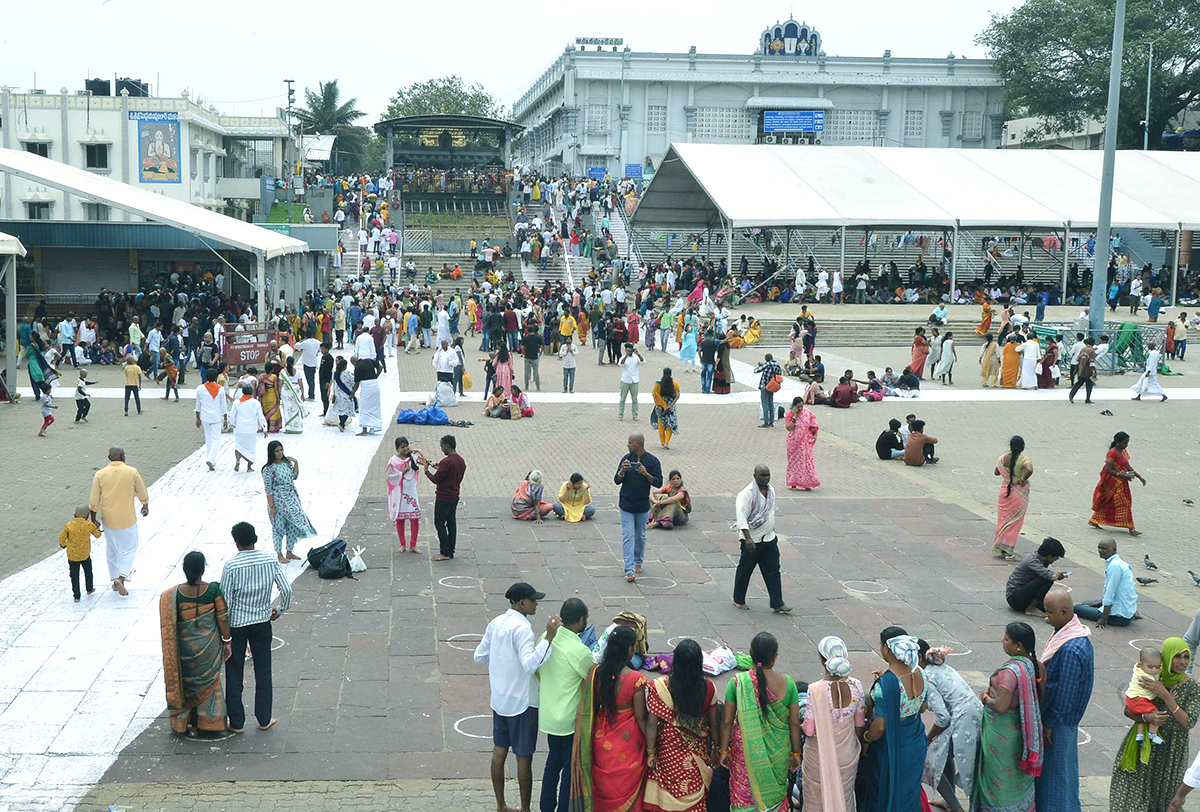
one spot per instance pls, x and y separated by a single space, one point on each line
1127 343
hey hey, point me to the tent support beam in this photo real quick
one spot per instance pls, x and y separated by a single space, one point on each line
1174 267
953 261
729 247
10 313
1021 251
260 260
843 260
1066 258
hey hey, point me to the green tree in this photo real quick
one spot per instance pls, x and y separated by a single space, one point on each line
325 113
446 94
1054 58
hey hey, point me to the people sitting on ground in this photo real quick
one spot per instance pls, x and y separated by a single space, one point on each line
814 395
872 388
814 370
939 316
890 445
497 404
918 449
889 381
527 502
521 401
574 500
909 385
753 332
1031 579
842 395
670 504
793 366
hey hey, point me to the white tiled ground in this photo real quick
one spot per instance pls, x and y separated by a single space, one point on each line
78 682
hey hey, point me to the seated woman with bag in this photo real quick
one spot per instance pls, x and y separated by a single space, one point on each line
497 404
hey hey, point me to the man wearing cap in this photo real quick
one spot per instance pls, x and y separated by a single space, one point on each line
512 658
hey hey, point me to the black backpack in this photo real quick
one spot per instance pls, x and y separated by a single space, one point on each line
330 561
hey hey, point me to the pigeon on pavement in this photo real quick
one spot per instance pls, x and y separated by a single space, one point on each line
1195 577
1146 581
1150 565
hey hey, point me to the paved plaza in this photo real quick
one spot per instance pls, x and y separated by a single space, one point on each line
379 702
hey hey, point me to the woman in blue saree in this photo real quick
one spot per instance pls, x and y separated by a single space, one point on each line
894 753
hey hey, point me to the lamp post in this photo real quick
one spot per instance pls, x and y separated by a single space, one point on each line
287 149
1104 220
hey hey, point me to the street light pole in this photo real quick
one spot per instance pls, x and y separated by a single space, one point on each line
1146 122
288 147
1104 221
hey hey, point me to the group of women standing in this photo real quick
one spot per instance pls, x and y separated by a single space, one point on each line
938 351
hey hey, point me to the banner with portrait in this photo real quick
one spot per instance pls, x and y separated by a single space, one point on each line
158 146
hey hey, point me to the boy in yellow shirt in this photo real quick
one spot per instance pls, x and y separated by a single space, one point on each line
77 536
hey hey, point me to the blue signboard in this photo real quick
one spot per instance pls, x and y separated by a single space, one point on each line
597 172
793 121
633 171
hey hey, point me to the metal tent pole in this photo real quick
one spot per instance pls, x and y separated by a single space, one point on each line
843 260
261 281
1174 270
953 261
1067 258
10 313
1104 221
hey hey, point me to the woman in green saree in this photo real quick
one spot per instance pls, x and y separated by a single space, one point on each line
195 640
760 737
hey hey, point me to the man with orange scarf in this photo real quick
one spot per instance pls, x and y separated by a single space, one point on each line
248 421
212 415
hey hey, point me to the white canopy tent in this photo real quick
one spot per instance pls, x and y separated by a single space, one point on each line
10 249
266 245
767 186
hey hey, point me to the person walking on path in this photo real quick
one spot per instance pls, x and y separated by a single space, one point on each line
246 582
76 537
1119 606
560 681
288 519
113 490
637 472
512 658
1070 664
630 376
1085 371
1015 469
770 375
1112 501
248 422
664 418
133 383
447 476
531 349
760 545
1148 384
802 428
212 415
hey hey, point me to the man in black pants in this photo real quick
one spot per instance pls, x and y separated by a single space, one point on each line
1086 373
760 545
325 375
246 582
1031 579
447 476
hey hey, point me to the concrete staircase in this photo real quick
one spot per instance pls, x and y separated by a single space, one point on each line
861 332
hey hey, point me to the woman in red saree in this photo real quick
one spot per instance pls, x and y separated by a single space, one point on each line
682 717
608 764
920 351
1047 367
195 624
985 319
802 431
1112 501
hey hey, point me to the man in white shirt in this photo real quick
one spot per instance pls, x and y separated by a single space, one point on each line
364 345
153 345
567 353
445 359
512 658
212 415
760 545
310 357
66 338
630 376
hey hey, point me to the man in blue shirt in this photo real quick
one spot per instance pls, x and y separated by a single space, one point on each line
1120 602
1070 664
637 472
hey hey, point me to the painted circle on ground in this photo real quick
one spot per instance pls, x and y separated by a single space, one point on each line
1192 453
965 541
672 642
1062 586
1061 472
5 507
1163 471
277 643
879 591
209 737
458 728
966 472
604 505
464 638
1084 738
474 581
669 584
959 653
805 541
37 478
1056 515
1134 642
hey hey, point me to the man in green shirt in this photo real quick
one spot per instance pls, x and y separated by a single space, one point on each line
561 684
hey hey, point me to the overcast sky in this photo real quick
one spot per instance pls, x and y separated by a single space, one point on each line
237 55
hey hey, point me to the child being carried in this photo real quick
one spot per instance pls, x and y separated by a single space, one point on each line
1140 700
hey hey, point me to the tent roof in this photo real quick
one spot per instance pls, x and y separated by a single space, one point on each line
156 207
318 148
744 186
10 245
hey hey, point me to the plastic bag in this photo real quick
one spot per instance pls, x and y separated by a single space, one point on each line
356 562
466 379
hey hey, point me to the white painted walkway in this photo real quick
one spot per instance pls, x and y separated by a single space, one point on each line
78 682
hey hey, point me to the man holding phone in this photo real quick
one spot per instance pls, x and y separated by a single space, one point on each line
637 472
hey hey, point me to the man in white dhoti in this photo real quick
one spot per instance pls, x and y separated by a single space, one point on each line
212 415
113 490
1148 384
443 326
247 420
1030 351
366 388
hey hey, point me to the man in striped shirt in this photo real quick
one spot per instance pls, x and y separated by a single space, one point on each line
246 582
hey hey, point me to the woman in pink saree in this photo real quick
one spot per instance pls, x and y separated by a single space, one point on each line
835 717
802 430
1014 470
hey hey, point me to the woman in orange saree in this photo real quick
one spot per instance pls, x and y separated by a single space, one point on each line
1010 366
268 396
608 763
1112 501
1014 469
920 351
195 624
985 319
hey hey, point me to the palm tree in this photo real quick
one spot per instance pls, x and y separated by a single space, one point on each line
326 114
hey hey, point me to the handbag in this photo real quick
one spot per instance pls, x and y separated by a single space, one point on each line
514 412
775 383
